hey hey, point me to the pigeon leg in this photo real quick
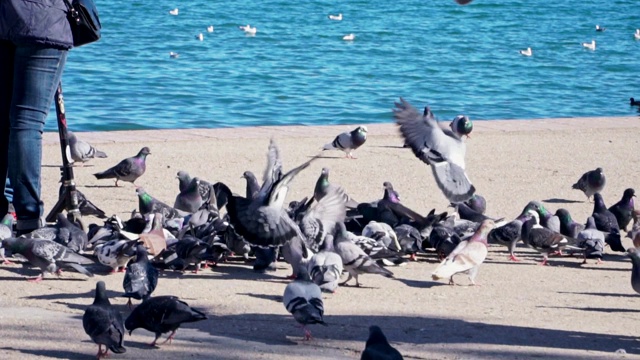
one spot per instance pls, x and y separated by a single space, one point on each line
307 334
35 279
291 277
113 271
170 338
122 269
512 257
100 353
117 182
544 261
413 257
451 281
357 282
346 281
130 305
7 262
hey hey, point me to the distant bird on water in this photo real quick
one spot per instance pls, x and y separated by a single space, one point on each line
600 28
636 35
336 17
174 12
173 55
591 182
634 102
248 29
526 52
348 141
129 169
591 45
349 37
463 2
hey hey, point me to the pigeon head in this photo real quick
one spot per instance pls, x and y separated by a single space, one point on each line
389 193
376 336
101 294
598 203
12 244
362 129
248 175
144 152
628 195
591 223
461 125
563 215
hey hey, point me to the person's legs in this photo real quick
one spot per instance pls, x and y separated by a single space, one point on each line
37 73
7 53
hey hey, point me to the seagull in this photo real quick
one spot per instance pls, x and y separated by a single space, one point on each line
636 35
173 55
599 28
591 45
210 28
349 37
336 17
174 11
527 52
248 29
200 37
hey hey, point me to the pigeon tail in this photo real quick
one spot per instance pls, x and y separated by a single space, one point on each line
79 268
107 174
453 181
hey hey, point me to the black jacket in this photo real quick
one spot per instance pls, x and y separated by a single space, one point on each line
41 22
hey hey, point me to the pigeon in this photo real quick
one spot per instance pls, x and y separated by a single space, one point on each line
103 323
82 151
325 267
508 234
542 239
592 241
253 187
184 180
477 203
461 126
443 239
623 209
303 299
467 213
605 220
263 221
378 347
568 227
189 200
48 255
321 218
162 314
600 28
63 232
323 186
374 227
296 253
115 253
129 169
463 2
392 212
440 148
141 278
147 204
6 232
348 141
546 219
635 269
354 259
409 239
467 256
591 182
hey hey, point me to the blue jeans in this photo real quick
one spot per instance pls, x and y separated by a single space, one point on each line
29 77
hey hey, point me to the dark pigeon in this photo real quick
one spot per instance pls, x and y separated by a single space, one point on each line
477 203
605 220
591 182
378 347
147 204
635 268
64 232
103 323
140 278
543 240
129 169
184 180
623 209
253 187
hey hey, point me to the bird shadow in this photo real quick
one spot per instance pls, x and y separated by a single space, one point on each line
57 354
101 186
593 309
561 201
63 296
276 298
328 157
599 294
391 147
422 284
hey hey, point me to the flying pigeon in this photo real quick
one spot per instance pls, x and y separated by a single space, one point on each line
568 227
635 269
623 209
354 259
263 221
303 299
162 314
467 256
48 255
322 217
348 141
378 347
140 278
103 323
592 241
440 148
129 169
82 151
115 253
591 182
325 267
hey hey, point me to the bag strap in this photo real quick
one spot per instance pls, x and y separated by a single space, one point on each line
72 11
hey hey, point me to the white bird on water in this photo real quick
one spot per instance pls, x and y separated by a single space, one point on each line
173 55
336 17
174 11
527 52
200 37
210 28
248 29
600 28
591 45
637 34
349 37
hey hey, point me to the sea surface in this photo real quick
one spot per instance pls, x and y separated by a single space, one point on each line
297 69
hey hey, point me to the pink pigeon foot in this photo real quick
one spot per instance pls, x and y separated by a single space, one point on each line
35 279
513 258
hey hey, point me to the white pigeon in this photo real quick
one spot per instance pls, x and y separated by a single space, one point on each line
336 17
440 148
349 37
591 45
303 299
526 52
210 28
467 256
174 12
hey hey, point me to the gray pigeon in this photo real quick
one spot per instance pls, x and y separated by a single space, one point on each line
103 323
378 347
253 187
48 255
6 231
63 232
635 269
264 221
592 241
623 209
323 187
322 217
147 204
477 203
325 267
440 148
296 253
348 141
591 182
303 299
129 169
508 235
354 259
141 278
547 220
82 151
568 227
162 314
184 180
189 199
542 239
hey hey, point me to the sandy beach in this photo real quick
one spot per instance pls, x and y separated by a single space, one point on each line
520 311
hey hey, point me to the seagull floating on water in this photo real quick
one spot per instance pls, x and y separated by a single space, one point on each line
600 28
173 55
174 11
349 37
336 17
210 28
248 29
591 45
527 52
200 37
637 34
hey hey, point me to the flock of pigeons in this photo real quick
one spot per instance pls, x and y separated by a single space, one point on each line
321 236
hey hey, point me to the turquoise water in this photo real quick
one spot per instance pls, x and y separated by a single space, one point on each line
298 70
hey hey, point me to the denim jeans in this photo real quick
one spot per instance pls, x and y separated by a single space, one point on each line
29 77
